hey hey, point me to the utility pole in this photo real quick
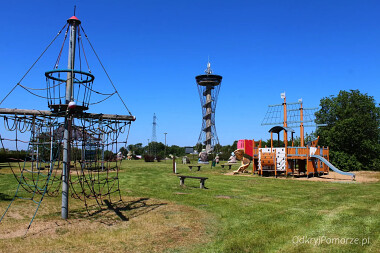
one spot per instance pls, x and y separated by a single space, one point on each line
154 135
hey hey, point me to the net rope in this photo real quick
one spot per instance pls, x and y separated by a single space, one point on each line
275 115
37 141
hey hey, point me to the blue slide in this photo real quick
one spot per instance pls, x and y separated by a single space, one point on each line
333 167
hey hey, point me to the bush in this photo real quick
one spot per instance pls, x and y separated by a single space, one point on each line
159 158
148 158
344 161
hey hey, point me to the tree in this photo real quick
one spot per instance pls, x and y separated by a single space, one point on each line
198 147
352 131
176 150
136 149
155 148
124 151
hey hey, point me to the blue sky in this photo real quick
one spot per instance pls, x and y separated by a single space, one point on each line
154 49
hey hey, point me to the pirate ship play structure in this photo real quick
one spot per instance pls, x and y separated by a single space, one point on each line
309 159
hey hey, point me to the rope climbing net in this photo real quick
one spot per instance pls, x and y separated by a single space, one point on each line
35 140
275 115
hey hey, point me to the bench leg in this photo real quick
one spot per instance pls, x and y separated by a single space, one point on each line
199 168
202 186
182 182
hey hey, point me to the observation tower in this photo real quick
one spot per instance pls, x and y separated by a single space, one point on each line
208 88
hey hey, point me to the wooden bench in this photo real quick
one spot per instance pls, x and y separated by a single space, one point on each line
191 167
229 165
202 180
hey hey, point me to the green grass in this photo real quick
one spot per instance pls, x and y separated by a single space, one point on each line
246 213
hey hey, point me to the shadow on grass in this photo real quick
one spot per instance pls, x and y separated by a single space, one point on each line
5 197
4 165
120 210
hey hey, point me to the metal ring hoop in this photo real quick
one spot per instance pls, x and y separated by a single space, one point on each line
50 74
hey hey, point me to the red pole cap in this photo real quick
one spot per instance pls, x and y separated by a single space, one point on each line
73 19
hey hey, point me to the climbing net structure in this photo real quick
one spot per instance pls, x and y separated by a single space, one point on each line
65 146
275 115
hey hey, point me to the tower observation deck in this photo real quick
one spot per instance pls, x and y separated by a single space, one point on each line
208 88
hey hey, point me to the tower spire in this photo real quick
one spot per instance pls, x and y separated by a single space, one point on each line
208 71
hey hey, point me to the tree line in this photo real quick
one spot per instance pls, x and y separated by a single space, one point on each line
352 133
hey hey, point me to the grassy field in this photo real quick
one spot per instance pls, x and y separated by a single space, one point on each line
235 214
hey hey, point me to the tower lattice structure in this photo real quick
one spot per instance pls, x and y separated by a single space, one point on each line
154 134
208 88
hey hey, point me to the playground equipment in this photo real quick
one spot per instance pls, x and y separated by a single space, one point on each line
245 162
65 145
309 159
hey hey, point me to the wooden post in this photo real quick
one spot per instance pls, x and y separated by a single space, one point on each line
271 140
253 156
202 184
285 123
302 127
174 165
261 157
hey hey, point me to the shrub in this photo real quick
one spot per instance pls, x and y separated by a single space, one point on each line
159 158
148 158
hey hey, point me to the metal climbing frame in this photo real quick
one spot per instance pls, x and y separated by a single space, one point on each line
66 147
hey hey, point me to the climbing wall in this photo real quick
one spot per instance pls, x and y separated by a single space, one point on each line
280 158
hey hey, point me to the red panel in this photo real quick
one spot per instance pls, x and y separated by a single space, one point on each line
240 144
248 147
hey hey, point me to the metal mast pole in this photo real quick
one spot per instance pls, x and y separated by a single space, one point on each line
73 22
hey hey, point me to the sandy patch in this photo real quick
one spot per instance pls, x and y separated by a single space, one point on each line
360 177
239 174
222 197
